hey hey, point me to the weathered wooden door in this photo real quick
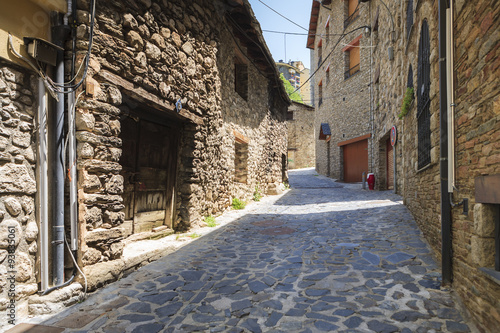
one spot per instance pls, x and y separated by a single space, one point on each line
390 165
149 160
355 161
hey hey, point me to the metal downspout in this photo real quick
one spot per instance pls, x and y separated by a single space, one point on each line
446 241
43 194
58 37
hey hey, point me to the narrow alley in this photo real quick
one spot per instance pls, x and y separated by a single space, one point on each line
323 257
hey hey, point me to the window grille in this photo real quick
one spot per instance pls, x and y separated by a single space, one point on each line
423 98
409 18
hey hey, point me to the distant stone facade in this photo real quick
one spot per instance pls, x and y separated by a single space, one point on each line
342 96
181 113
409 58
301 136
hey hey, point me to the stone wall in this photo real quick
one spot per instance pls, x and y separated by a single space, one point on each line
346 102
18 224
477 144
150 56
476 126
301 137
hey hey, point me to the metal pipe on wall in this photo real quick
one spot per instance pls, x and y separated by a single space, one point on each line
43 191
58 167
451 98
446 239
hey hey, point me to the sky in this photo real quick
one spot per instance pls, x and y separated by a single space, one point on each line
298 11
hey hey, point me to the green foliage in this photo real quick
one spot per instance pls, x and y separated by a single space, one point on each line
294 96
238 204
210 221
256 194
287 185
194 235
407 100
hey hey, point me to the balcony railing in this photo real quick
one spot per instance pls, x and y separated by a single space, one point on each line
351 72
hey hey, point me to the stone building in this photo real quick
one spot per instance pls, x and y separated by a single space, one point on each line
341 70
177 109
445 158
296 73
300 122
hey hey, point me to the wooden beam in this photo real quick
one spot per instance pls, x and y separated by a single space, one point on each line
359 138
142 95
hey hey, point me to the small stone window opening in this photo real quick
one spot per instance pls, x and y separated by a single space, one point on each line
241 77
351 10
409 18
409 82
327 30
289 115
240 161
320 92
327 76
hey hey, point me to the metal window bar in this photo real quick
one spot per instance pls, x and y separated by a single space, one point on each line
351 71
423 98
409 18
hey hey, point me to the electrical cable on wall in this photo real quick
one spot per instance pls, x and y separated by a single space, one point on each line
66 87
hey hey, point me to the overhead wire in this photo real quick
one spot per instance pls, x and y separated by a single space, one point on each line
283 16
336 44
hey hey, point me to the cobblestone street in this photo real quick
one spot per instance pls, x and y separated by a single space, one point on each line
323 257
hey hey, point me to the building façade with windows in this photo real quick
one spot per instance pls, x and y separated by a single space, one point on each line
179 110
445 158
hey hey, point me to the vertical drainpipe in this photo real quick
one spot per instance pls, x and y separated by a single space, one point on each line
58 38
43 193
446 242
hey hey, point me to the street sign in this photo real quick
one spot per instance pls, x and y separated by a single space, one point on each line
394 134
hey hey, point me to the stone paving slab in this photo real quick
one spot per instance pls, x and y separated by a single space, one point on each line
316 259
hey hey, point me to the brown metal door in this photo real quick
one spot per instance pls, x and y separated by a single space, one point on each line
390 165
355 161
149 168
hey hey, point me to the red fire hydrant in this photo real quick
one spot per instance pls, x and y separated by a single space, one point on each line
371 181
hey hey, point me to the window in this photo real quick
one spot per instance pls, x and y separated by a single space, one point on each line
327 76
409 18
352 58
409 81
320 92
327 30
241 77
320 52
240 161
423 98
351 11
289 115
